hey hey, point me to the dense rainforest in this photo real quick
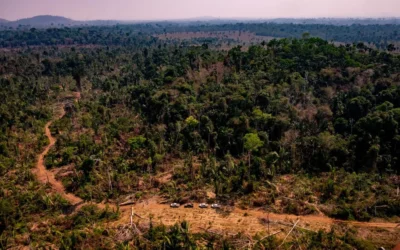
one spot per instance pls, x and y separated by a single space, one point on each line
378 36
296 125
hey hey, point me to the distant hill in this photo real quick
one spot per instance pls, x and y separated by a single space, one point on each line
3 20
43 21
47 21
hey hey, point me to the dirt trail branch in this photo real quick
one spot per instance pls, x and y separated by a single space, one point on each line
47 177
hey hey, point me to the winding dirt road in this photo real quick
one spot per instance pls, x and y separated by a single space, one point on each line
48 177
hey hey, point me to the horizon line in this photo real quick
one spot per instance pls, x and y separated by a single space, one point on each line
213 17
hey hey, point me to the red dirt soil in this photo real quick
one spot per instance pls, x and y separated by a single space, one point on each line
237 220
48 177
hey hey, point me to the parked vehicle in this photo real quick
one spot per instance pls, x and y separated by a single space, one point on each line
216 206
188 205
203 205
175 205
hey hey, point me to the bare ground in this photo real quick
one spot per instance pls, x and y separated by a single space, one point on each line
47 177
243 36
237 220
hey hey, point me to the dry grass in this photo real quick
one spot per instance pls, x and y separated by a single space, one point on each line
238 36
250 222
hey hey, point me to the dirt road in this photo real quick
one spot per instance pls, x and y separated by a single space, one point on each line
251 221
48 177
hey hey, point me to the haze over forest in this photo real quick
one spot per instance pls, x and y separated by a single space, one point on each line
180 9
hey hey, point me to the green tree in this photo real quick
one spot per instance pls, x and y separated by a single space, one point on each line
191 122
137 142
251 143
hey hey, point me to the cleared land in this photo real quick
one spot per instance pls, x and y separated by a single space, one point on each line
238 36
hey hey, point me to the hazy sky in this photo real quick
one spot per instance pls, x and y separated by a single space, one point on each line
175 9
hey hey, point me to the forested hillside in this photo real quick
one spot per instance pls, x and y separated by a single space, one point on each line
294 126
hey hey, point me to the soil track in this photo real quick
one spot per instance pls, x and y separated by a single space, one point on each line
48 177
238 220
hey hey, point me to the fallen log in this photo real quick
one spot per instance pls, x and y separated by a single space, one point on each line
295 224
126 203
